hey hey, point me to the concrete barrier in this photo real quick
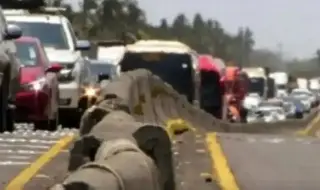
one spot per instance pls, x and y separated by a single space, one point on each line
130 127
119 165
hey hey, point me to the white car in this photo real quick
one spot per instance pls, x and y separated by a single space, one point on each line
62 47
304 92
251 101
272 113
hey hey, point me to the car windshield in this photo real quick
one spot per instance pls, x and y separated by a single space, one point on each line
100 68
175 69
27 53
51 35
256 85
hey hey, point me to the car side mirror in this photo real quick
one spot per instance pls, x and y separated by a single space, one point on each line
83 45
102 77
12 32
54 68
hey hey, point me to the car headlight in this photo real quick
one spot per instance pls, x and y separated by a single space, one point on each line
35 85
268 118
91 92
251 119
66 76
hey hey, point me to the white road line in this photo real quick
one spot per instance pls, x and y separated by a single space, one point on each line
24 146
26 140
13 163
30 152
18 157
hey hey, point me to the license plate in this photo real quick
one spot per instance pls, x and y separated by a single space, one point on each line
64 101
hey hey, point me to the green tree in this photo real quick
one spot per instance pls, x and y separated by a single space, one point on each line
106 19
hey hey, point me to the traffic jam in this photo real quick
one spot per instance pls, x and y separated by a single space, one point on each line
53 80
51 83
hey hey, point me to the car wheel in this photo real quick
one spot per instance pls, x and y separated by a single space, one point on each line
10 120
53 124
50 125
299 115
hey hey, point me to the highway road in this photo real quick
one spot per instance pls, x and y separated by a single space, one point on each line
264 162
32 159
37 159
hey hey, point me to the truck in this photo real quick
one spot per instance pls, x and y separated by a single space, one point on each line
211 87
236 88
258 80
302 83
281 80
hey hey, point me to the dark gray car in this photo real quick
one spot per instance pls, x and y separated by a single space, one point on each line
9 72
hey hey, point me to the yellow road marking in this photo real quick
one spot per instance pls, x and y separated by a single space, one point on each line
221 167
174 126
310 127
22 178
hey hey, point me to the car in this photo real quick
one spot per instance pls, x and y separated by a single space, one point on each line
62 46
253 117
37 100
305 101
251 101
271 102
299 107
103 70
291 110
272 113
9 72
300 92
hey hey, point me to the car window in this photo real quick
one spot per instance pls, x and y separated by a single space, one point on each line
51 35
45 57
27 53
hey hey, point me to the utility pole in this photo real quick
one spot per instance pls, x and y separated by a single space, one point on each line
280 53
242 48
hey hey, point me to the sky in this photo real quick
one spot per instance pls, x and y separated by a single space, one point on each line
289 26
292 25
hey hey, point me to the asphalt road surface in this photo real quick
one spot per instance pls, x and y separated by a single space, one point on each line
37 159
264 162
24 152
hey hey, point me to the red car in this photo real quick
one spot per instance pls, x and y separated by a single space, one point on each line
37 99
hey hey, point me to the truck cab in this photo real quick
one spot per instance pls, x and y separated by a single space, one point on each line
258 81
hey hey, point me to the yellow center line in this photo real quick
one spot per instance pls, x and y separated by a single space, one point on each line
311 127
220 164
22 178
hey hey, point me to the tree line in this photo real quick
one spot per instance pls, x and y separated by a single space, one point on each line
106 19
